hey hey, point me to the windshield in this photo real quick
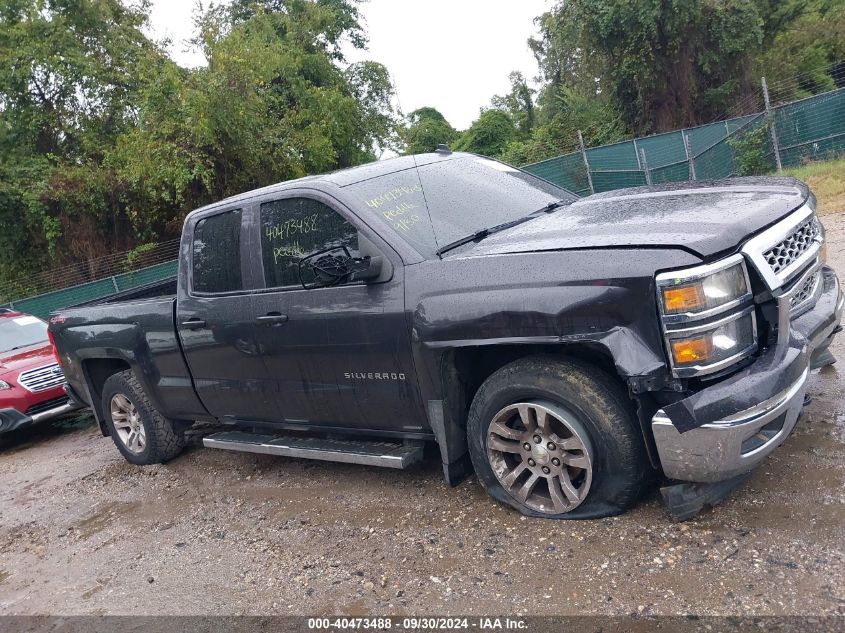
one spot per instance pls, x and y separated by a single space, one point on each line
22 331
438 203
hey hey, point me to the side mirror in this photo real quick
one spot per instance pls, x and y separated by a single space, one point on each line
365 268
335 266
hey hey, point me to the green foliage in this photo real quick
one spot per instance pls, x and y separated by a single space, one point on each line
489 135
797 63
425 129
668 64
751 152
563 114
105 143
657 58
519 104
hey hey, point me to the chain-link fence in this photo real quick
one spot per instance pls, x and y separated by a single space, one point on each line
753 142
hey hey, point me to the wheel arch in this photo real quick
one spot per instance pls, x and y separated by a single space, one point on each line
464 369
96 372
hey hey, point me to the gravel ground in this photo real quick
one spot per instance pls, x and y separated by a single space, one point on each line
214 532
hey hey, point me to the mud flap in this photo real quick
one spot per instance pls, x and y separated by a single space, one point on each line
685 500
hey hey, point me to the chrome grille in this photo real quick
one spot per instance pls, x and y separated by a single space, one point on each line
781 255
42 378
805 293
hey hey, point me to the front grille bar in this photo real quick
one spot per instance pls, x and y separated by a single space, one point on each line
42 378
786 249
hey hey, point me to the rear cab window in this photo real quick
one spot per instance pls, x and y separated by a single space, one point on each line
216 254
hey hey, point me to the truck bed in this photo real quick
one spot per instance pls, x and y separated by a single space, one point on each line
161 289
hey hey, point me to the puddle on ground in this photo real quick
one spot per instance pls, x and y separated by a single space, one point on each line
4 576
104 514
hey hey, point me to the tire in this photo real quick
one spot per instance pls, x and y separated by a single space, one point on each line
159 440
589 437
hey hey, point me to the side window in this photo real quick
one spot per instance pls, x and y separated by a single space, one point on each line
217 253
295 228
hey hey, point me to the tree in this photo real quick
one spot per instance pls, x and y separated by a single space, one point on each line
106 144
666 63
488 135
563 114
425 129
804 56
518 103
68 76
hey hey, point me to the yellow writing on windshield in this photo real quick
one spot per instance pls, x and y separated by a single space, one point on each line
393 195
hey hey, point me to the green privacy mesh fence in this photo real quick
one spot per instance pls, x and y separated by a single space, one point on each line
809 129
41 305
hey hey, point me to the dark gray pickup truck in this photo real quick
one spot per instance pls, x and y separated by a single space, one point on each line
568 351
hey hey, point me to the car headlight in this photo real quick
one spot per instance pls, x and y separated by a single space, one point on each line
4 385
708 316
703 291
714 346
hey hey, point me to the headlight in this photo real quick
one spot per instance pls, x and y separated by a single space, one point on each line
714 346
700 291
4 385
708 316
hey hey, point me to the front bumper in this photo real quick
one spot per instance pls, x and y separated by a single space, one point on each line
11 419
728 428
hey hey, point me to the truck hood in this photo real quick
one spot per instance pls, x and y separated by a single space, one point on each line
705 218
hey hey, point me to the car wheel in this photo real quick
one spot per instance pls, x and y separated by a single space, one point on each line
141 433
558 439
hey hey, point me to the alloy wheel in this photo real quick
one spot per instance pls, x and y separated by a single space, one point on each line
542 456
127 423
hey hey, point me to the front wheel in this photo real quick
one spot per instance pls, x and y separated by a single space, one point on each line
141 433
557 438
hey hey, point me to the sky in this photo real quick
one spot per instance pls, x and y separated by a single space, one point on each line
453 55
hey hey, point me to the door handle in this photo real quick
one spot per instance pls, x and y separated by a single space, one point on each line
273 318
193 324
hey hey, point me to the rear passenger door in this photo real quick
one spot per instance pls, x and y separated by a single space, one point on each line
216 320
341 356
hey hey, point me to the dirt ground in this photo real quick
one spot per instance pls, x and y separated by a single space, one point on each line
214 532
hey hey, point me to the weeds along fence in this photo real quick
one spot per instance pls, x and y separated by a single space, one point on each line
754 138
750 143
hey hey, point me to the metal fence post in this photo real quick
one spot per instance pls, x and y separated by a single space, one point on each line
771 117
644 163
690 157
114 283
586 162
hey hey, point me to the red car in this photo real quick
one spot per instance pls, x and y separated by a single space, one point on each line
31 381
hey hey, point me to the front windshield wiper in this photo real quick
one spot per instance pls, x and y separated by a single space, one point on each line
482 233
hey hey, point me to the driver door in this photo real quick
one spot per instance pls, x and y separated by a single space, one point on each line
339 356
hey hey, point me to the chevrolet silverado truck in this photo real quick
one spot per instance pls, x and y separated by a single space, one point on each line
568 351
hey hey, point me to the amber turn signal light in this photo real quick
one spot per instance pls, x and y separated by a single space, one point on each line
692 350
683 298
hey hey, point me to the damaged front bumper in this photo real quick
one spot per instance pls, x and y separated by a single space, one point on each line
725 430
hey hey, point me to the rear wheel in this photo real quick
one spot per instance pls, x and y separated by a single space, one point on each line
557 438
141 433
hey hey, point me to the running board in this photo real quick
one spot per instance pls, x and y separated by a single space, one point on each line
373 453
